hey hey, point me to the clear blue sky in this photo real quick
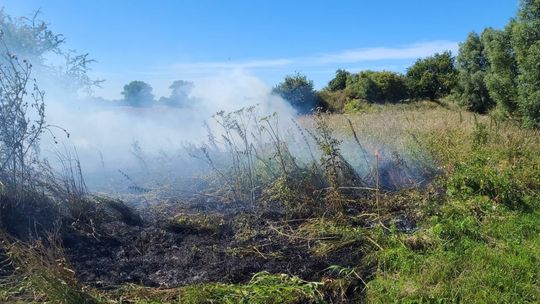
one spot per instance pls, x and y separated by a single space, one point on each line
159 41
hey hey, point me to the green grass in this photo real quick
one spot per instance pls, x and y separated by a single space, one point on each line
264 288
483 240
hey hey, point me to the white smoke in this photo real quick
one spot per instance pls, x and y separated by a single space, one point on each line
103 133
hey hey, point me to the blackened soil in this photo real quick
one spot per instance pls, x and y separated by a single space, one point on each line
157 254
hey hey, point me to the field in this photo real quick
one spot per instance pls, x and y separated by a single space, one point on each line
411 203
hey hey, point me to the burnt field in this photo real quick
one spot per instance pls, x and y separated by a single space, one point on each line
175 168
260 208
339 220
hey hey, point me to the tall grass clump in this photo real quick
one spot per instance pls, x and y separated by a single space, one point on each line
479 241
46 269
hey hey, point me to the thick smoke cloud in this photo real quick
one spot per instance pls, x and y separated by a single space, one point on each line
106 132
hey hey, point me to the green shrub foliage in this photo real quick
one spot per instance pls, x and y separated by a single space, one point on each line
298 90
432 77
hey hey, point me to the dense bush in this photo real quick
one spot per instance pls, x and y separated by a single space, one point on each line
180 90
299 92
378 87
432 77
340 81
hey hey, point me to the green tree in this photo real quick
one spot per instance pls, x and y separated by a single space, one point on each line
339 82
526 46
299 92
138 94
472 65
432 77
501 77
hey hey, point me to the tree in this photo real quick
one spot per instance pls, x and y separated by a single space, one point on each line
179 97
339 82
33 40
138 94
432 77
472 66
299 92
526 46
501 77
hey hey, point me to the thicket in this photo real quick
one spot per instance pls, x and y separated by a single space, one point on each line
496 69
299 91
428 78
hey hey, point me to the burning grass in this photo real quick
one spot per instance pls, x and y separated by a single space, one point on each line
402 203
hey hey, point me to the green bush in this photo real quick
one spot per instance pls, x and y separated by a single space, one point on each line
339 82
432 77
485 176
299 92
378 87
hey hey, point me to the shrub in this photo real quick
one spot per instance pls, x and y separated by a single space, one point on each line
299 92
22 111
432 77
378 87
339 82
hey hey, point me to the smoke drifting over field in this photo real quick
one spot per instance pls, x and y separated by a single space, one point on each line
106 132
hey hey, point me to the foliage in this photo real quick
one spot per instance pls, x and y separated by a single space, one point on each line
138 94
379 87
339 82
479 244
501 76
526 45
355 105
432 77
334 101
299 92
472 67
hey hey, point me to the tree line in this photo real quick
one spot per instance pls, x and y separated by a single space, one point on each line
497 70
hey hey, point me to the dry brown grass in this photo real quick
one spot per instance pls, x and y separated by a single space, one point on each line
396 125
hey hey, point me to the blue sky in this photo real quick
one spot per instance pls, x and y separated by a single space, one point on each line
160 41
